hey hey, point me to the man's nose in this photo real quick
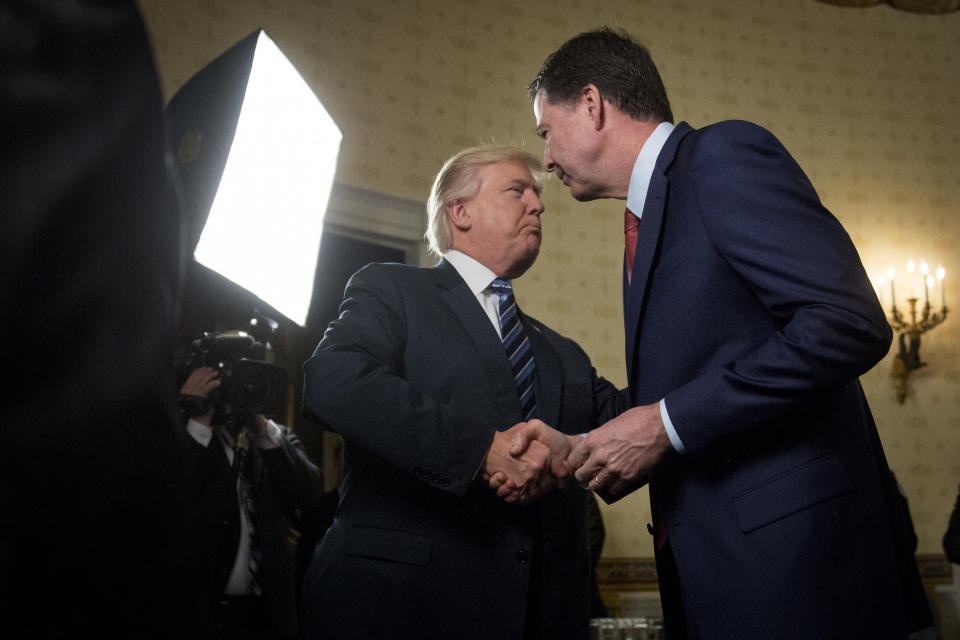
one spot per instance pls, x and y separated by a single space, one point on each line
536 205
548 162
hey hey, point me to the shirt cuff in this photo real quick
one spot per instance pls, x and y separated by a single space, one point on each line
199 432
671 431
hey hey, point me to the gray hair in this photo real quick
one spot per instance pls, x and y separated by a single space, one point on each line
457 180
620 67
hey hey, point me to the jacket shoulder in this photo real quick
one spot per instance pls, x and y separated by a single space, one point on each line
387 273
730 133
710 149
388 270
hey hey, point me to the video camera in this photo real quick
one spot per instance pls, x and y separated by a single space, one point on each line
248 384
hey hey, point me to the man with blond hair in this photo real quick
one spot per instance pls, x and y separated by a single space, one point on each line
426 374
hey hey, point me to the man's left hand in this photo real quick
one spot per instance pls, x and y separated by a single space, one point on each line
618 456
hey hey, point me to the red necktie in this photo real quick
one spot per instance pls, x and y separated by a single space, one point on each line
630 224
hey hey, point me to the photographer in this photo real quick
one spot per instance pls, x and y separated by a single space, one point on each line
252 480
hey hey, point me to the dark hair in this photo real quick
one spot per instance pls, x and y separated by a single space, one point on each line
621 68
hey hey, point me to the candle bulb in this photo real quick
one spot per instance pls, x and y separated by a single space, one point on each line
911 265
924 268
941 272
891 272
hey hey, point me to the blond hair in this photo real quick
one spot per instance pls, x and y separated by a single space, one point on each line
457 180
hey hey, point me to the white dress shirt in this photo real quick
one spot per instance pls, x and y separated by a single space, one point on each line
478 279
238 583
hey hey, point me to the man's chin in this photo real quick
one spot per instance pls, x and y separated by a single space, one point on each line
581 195
522 264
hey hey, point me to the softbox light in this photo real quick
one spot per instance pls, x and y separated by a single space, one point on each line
257 155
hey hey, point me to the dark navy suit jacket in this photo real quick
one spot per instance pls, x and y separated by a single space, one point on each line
751 314
415 378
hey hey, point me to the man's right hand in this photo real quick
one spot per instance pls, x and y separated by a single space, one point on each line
519 478
560 445
526 438
200 383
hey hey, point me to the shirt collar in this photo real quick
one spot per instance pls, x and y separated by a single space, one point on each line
477 276
643 167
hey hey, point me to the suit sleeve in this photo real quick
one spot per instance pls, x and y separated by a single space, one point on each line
767 223
355 384
608 401
589 400
293 476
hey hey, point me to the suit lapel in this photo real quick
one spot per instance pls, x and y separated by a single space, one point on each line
492 358
648 238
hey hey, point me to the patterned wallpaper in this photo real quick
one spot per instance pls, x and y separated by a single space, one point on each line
865 99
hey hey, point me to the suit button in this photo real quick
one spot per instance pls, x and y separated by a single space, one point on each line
417 471
523 556
445 482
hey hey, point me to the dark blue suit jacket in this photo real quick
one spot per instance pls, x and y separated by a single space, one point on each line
415 378
751 314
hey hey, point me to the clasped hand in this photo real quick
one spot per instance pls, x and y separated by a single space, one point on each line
611 460
526 461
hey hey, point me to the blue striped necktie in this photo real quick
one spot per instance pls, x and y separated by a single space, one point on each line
518 349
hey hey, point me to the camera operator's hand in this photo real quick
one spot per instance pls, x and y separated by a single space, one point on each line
258 423
265 433
201 382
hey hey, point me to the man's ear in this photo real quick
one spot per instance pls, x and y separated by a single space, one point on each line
458 214
591 101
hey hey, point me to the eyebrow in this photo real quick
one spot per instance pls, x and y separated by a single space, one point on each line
532 184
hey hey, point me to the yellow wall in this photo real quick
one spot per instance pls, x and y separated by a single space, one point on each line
866 99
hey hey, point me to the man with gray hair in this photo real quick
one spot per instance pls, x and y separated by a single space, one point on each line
426 374
748 318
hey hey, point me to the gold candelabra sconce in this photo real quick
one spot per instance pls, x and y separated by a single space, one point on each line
917 322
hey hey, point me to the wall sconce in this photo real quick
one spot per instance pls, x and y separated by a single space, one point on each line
911 328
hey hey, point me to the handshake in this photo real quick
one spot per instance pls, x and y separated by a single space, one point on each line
531 458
